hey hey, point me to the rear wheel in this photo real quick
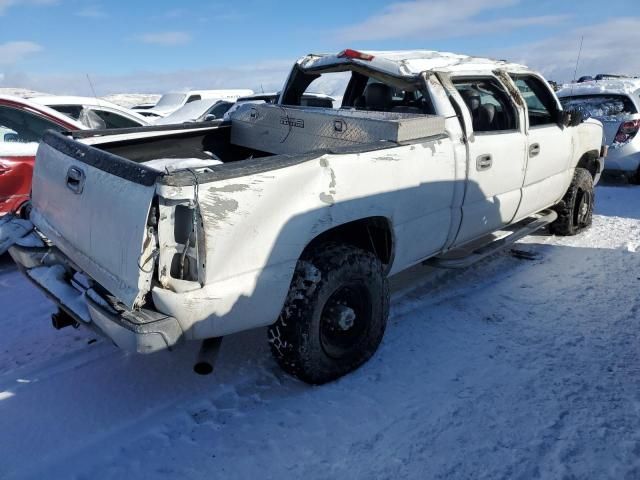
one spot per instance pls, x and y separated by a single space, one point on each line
335 314
575 210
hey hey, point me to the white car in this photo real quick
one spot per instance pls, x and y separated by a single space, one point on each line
309 99
198 111
172 101
143 106
616 103
92 112
294 217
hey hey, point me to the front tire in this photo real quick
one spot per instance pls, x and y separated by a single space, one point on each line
335 314
575 210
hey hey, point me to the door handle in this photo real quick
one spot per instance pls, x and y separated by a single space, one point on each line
534 149
484 162
75 180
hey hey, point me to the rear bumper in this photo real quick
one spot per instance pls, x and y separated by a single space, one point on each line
623 160
141 331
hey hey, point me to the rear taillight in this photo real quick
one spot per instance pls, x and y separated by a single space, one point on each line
627 131
354 54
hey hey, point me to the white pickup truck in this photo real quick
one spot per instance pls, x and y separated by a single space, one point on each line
293 217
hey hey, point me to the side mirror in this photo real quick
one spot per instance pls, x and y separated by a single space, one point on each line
209 117
11 137
570 118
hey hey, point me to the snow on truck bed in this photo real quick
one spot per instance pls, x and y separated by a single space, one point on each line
174 164
510 369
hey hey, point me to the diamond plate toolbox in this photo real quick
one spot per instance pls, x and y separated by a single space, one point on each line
280 129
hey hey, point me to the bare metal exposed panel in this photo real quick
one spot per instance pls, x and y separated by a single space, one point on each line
290 130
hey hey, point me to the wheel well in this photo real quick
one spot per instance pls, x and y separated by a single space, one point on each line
589 161
373 234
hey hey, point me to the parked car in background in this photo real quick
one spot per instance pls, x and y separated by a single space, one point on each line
601 76
92 112
616 103
172 101
611 76
198 111
308 99
22 125
143 106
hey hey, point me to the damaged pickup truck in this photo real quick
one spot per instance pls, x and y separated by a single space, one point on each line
293 217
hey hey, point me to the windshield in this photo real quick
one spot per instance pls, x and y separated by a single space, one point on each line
600 106
171 100
189 113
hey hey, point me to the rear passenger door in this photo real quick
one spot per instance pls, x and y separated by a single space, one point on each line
496 156
549 147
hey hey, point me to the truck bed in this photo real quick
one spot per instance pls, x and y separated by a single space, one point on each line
259 131
127 152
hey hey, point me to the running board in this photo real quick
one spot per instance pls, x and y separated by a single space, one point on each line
540 220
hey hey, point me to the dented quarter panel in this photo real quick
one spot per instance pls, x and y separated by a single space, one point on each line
257 226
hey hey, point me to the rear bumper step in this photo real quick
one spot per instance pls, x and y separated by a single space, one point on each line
463 258
141 331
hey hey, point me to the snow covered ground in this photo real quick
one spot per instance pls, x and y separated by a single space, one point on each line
129 100
514 369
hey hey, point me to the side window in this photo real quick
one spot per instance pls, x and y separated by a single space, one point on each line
25 127
72 111
113 120
489 104
219 109
193 98
541 106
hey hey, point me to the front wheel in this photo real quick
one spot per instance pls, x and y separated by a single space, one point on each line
335 314
575 210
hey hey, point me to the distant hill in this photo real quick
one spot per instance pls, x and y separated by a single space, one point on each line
20 92
129 100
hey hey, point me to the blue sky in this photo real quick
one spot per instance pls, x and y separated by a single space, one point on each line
151 46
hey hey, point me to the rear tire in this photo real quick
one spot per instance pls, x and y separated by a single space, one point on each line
335 314
575 210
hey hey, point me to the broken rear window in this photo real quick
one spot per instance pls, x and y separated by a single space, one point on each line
600 106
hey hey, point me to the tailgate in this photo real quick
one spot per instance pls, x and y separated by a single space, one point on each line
94 207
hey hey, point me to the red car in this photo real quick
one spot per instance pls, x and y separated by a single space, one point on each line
22 124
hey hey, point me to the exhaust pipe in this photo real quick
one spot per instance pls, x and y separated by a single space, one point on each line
206 359
62 319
